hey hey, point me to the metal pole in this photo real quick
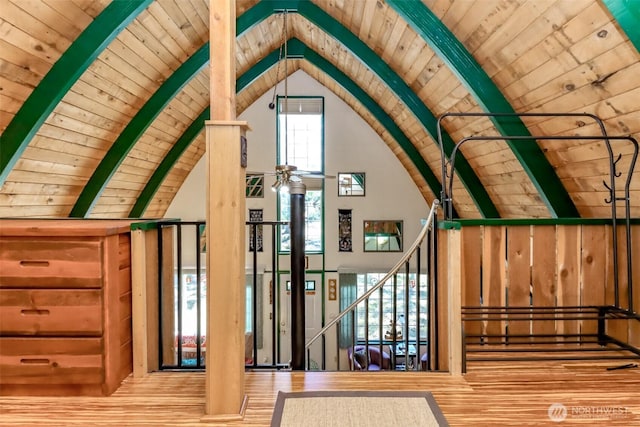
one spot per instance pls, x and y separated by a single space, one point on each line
297 191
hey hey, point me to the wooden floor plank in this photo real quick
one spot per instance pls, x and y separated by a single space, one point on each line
496 394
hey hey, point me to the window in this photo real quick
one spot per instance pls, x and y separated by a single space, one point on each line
301 144
366 281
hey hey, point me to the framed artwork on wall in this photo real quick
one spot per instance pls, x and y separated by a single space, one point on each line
255 186
345 240
382 235
351 184
255 215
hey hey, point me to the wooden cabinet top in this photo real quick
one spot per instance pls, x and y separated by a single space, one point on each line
64 227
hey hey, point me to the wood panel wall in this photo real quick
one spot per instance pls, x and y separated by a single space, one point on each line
546 266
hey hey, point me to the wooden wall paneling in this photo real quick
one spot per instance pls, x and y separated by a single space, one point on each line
519 276
568 273
623 277
595 254
472 274
634 325
619 328
494 275
543 275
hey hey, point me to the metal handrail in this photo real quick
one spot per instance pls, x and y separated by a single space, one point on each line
428 224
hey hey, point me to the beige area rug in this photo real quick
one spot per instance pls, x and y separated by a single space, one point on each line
357 408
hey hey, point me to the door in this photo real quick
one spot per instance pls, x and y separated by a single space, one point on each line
313 315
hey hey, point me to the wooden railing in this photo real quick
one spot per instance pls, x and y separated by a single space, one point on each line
546 281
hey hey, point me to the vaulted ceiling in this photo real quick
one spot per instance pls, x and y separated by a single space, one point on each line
102 104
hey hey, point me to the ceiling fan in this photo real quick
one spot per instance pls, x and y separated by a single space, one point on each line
285 173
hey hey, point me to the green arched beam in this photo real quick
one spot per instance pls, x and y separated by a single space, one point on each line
627 13
167 163
367 56
136 128
64 73
298 49
460 61
142 120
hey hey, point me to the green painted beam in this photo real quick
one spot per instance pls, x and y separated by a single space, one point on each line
361 51
460 61
376 110
61 77
136 128
295 48
627 13
167 163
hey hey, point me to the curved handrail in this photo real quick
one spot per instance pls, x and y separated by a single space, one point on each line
428 224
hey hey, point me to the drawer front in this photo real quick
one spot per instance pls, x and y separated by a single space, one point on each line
50 263
51 312
51 361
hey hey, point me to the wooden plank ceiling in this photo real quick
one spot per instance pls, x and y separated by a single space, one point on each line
125 134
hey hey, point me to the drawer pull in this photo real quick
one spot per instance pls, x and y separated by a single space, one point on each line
30 263
34 312
34 361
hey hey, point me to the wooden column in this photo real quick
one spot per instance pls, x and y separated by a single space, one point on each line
454 290
139 302
226 162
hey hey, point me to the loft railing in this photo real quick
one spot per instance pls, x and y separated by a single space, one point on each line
182 294
397 347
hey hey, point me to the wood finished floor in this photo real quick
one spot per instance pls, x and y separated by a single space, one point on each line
490 394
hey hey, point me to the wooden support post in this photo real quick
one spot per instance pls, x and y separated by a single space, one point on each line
225 272
454 289
226 163
139 302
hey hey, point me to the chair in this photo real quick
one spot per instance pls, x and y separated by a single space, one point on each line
374 361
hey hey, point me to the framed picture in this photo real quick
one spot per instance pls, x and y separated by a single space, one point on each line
382 235
351 184
309 285
255 186
345 241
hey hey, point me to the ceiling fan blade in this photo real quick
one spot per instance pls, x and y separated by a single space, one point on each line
252 173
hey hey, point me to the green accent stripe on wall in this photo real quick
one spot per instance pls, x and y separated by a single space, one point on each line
64 73
136 128
462 63
627 13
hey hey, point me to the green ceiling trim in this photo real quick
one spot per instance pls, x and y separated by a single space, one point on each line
462 63
136 128
367 56
627 13
62 76
298 49
167 163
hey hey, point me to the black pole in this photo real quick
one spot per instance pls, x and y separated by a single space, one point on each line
297 191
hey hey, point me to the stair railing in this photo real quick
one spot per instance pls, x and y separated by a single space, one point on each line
364 298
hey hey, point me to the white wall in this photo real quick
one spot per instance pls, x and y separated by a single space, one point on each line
350 146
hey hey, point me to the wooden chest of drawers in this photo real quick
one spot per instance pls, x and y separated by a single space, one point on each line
65 306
